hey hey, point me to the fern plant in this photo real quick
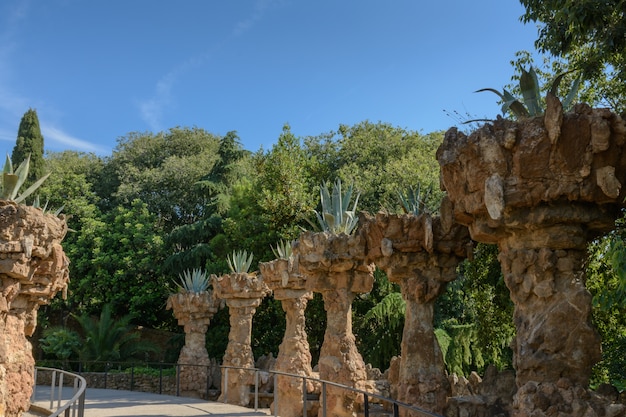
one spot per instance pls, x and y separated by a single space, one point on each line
335 216
531 95
282 249
193 281
239 262
12 181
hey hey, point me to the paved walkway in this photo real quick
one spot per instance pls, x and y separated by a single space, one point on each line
114 403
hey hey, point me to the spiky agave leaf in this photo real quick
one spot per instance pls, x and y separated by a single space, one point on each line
239 262
335 216
283 249
509 103
529 86
12 181
194 281
411 201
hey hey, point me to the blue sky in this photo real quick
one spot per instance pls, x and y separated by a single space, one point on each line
98 70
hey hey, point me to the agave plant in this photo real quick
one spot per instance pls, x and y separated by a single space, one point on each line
194 281
45 208
531 93
282 250
12 181
412 200
335 216
239 262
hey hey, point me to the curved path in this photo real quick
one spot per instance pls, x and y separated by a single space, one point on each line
114 403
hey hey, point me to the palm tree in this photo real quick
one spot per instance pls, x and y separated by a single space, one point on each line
109 338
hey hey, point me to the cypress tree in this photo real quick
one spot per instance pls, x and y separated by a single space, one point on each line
29 141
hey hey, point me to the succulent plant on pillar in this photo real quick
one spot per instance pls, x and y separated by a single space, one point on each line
542 188
334 264
33 269
193 305
243 292
283 277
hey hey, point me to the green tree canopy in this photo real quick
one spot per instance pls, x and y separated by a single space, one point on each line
589 34
380 160
162 170
117 260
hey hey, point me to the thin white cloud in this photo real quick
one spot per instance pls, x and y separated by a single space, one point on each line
51 133
260 8
12 104
151 110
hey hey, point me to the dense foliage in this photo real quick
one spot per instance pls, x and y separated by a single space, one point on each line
185 199
587 35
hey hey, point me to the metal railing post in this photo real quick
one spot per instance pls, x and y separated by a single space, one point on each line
304 395
178 380
366 405
58 406
81 405
275 395
53 383
160 378
132 376
225 393
34 394
208 381
396 412
324 399
256 389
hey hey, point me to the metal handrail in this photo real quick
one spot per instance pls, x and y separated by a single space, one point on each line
73 407
397 405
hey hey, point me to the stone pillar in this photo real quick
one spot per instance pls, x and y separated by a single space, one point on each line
294 357
421 255
193 311
335 266
243 293
541 189
33 269
555 347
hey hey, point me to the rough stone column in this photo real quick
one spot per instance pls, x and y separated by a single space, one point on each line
33 269
243 293
421 255
193 311
556 346
541 189
335 266
294 357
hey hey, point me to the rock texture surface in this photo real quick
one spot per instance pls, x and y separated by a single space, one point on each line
335 266
194 312
421 255
242 293
284 279
33 269
541 191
